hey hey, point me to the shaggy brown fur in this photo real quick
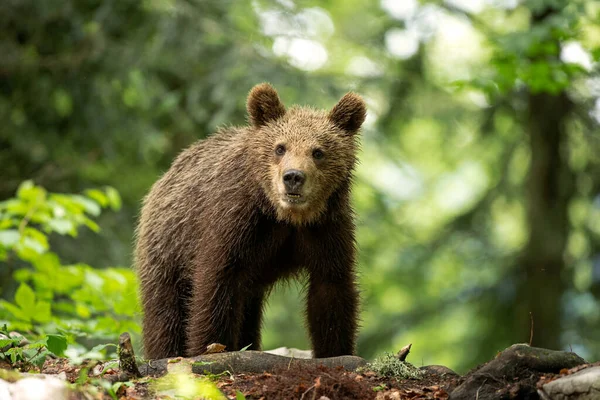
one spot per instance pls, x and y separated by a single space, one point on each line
226 222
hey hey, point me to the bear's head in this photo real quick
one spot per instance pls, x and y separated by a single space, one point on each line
303 156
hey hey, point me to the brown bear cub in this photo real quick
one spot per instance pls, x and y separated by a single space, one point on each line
242 209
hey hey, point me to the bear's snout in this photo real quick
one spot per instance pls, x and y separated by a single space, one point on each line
293 180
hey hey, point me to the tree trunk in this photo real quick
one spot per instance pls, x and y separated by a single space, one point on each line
548 193
548 196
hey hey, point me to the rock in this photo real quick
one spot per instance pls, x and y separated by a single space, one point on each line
17 335
4 392
438 370
62 376
511 374
97 370
38 389
582 385
291 352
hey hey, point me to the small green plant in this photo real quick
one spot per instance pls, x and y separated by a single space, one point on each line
72 300
389 365
113 388
246 347
23 354
379 388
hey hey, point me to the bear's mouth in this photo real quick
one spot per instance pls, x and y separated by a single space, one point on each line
294 198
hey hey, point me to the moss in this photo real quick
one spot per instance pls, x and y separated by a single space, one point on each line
10 375
389 365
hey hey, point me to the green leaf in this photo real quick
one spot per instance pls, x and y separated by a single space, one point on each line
24 188
32 245
83 376
91 224
39 359
57 344
90 206
246 348
43 312
239 395
39 237
101 347
15 353
61 226
15 207
9 237
99 196
15 311
114 198
31 193
7 222
38 344
25 298
115 388
6 342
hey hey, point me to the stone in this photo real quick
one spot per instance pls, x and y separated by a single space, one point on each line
582 385
4 390
291 352
438 370
47 388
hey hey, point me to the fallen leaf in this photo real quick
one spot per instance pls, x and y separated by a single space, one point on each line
215 348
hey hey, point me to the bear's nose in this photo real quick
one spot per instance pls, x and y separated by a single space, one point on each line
293 179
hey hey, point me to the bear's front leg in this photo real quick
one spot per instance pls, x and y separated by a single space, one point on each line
215 312
332 316
252 319
332 303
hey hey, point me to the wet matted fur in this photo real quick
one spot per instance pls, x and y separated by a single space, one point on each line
225 222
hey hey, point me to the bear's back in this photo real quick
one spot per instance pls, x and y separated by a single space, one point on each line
194 196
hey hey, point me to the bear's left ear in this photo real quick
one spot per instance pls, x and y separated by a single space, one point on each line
264 105
349 113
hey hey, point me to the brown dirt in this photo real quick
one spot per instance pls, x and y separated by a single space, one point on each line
314 382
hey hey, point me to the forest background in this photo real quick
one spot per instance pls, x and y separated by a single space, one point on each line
477 193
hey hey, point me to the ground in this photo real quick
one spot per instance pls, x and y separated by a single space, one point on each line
100 380
294 383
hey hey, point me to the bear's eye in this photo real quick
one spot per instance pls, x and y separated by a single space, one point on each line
280 150
318 154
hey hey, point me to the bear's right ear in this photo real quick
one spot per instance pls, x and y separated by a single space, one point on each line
264 105
349 113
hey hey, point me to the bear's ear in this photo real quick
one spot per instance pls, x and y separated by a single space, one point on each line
349 113
264 105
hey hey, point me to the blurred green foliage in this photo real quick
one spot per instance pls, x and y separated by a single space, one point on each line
75 300
478 192
182 384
